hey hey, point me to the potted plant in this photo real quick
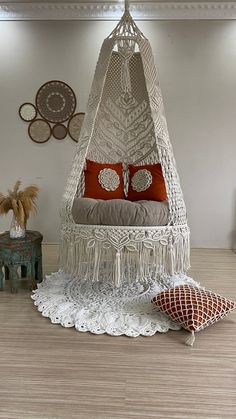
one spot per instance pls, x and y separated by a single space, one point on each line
21 202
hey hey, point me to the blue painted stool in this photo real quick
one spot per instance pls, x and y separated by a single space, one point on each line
25 253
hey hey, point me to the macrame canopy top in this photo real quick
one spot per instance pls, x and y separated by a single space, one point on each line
126 28
125 35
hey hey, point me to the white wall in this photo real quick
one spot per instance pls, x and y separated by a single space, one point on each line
197 68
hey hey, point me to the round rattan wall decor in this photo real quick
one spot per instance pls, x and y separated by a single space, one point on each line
27 112
75 124
55 101
59 131
39 131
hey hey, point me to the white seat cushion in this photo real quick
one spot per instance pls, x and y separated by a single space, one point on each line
120 212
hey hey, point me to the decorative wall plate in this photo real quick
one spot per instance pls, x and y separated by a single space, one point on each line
75 124
39 131
27 112
55 101
59 131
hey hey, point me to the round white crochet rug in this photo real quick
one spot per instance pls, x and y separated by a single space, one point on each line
100 308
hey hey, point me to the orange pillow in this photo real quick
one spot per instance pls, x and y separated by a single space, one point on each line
103 180
146 183
194 308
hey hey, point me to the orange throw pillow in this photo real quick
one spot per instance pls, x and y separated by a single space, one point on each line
146 183
103 180
194 308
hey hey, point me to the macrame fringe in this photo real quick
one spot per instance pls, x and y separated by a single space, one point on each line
190 339
87 257
117 270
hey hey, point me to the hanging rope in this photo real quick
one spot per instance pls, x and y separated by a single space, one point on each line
126 5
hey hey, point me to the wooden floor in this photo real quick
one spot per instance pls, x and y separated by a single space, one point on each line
48 372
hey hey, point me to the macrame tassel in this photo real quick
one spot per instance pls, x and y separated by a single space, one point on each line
171 259
96 264
190 339
140 265
117 270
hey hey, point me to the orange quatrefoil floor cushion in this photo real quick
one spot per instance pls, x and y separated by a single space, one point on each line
194 308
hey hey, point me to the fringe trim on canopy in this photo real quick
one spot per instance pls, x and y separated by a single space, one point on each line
133 262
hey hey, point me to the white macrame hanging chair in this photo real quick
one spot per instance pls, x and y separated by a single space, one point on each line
124 122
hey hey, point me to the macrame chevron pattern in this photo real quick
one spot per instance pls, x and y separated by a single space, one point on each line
124 129
117 135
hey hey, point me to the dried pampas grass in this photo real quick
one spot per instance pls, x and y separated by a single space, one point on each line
21 202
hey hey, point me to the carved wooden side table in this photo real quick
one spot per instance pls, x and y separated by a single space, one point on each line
21 254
